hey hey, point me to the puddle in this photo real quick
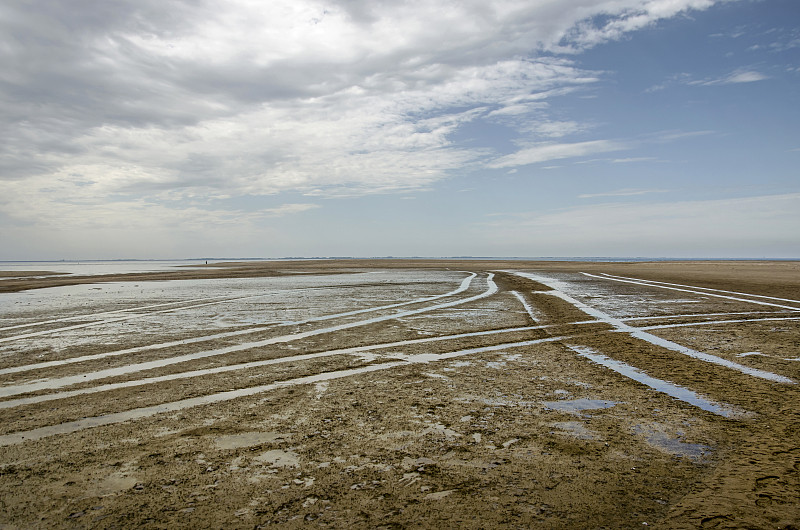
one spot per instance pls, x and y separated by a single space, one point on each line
578 405
278 458
678 392
106 313
574 428
248 439
658 438
108 419
458 364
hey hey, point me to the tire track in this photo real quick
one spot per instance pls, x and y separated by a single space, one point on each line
60 382
399 360
127 310
465 283
268 362
107 321
131 317
693 291
702 288
143 412
665 387
653 339
525 304
394 360
329 353
710 322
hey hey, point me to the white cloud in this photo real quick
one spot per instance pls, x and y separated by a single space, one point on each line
736 77
545 152
554 129
286 209
629 18
656 88
154 108
744 76
739 76
671 136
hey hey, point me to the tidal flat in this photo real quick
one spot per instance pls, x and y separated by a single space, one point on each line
402 393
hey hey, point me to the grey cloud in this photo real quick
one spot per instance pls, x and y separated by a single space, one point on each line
81 75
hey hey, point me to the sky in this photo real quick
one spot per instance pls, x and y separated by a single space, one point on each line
186 129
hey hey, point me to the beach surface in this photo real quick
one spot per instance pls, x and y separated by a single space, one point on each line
402 393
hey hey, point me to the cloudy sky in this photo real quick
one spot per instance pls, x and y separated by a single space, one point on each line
247 128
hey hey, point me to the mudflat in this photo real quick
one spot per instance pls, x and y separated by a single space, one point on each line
403 393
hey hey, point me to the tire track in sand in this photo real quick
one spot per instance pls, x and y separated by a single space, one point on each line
648 337
12 390
465 283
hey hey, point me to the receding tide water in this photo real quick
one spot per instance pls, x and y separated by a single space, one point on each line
380 393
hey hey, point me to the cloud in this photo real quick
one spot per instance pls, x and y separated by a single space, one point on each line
782 40
286 209
613 24
739 76
554 129
736 77
631 160
671 136
161 107
545 152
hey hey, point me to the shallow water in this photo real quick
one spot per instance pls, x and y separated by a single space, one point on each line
678 392
575 428
560 288
242 302
656 436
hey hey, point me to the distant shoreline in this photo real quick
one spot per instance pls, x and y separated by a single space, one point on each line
23 276
592 259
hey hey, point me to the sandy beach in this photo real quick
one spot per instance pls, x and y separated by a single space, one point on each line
403 393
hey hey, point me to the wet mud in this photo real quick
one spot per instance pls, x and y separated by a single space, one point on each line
384 395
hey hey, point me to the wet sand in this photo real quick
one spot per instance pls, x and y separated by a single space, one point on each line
469 394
